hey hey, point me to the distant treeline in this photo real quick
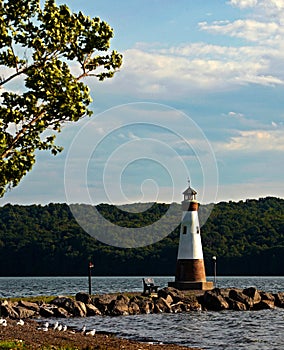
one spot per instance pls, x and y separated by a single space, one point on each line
247 237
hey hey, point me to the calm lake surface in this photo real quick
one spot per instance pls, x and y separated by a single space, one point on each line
232 330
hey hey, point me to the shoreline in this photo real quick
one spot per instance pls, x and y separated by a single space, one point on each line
29 336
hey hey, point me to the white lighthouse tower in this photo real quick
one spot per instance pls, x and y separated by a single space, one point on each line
190 270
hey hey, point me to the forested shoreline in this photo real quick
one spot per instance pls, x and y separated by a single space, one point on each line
246 236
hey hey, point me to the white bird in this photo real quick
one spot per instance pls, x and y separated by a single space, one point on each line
20 322
64 328
4 323
59 328
55 326
46 325
83 330
2 320
92 332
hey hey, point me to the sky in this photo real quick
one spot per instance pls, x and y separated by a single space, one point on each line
199 96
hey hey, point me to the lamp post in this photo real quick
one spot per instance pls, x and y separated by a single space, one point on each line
91 265
214 258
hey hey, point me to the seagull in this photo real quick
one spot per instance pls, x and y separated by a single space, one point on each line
83 330
92 332
55 326
45 325
64 328
3 322
59 328
20 322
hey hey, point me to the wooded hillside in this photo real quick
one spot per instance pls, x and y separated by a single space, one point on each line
247 237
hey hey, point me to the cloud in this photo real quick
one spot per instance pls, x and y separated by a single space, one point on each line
243 3
254 141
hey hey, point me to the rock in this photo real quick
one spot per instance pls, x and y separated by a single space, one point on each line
133 308
29 305
92 310
264 304
46 311
118 308
146 306
60 312
102 302
66 303
238 295
79 309
267 296
83 297
7 310
23 312
175 294
279 299
178 307
236 305
161 305
124 298
252 293
213 300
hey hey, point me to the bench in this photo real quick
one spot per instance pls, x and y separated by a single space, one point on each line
149 286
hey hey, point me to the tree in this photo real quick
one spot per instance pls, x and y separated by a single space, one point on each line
48 50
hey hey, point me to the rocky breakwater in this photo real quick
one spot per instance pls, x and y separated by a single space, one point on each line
167 300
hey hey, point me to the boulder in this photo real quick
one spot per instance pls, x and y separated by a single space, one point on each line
23 312
239 296
79 309
175 294
279 300
161 305
133 308
264 304
46 311
66 303
102 302
252 293
178 307
118 308
267 296
92 310
83 297
29 305
146 306
7 310
236 305
213 300
60 312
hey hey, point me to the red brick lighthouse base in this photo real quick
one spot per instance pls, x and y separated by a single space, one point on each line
190 270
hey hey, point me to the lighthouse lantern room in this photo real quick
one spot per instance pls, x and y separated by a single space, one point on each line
190 270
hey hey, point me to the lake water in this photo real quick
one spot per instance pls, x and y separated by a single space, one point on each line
252 330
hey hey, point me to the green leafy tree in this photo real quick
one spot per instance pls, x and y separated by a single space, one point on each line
45 52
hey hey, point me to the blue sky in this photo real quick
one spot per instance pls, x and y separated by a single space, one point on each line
200 95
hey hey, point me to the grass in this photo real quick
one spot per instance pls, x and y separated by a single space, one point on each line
20 345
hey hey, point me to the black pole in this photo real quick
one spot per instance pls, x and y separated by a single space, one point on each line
91 265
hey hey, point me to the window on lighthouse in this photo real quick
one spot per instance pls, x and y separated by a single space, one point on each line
197 229
184 230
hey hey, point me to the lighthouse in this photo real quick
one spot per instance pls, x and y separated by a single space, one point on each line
190 270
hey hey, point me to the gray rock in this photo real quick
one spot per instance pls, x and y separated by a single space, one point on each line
79 309
133 308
